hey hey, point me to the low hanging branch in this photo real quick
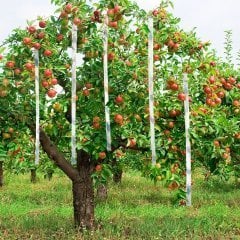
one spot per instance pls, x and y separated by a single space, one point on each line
54 154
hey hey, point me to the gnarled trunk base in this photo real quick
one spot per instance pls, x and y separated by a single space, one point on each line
83 194
33 177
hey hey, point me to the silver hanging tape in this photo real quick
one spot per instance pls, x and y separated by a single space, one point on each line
37 138
151 91
106 95
74 94
188 144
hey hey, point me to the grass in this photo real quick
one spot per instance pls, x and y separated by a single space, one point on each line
134 210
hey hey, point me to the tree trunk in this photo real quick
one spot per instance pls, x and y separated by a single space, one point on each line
83 193
48 176
117 171
33 176
117 176
102 192
82 184
1 173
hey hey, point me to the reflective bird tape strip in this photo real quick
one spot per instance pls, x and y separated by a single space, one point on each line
150 86
188 145
37 138
74 93
106 95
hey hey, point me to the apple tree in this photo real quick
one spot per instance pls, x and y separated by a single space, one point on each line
175 52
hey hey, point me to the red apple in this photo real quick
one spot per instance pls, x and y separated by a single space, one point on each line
51 93
37 45
86 92
171 124
47 53
111 56
174 86
232 80
29 66
119 99
156 46
236 103
96 13
42 24
228 86
212 64
181 96
41 35
17 71
207 90
211 79
54 81
155 12
113 24
216 143
218 100
221 94
117 9
96 125
132 142
110 12
118 118
156 57
27 40
31 29
45 84
77 21
60 37
48 73
88 85
102 155
10 64
68 8
98 168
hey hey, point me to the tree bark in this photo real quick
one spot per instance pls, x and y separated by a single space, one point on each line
83 193
82 184
33 176
1 173
117 171
117 176
55 155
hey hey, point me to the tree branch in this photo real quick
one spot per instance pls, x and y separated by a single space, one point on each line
54 154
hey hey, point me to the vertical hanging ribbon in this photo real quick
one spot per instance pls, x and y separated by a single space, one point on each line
188 145
74 93
106 95
150 86
37 138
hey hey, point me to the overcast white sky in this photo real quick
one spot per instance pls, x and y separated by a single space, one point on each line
210 17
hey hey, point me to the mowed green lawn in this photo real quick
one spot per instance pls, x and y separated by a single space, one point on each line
136 209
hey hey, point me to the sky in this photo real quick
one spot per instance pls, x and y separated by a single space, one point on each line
210 17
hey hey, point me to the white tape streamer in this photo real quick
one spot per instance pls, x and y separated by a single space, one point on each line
106 95
74 93
150 86
37 138
188 144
